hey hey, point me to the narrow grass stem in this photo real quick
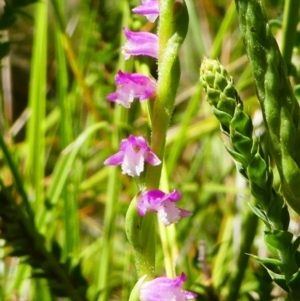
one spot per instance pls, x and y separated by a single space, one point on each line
250 222
111 207
35 133
289 28
71 56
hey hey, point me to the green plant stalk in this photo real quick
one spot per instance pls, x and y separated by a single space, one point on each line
249 227
279 105
172 30
224 28
289 29
196 34
72 59
37 101
180 141
62 82
38 294
222 259
111 206
108 234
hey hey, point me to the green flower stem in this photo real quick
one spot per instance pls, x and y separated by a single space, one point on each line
289 28
279 105
172 30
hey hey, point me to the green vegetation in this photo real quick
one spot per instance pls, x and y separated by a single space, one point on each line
230 146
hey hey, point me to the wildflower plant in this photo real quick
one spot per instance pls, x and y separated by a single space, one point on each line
134 151
117 182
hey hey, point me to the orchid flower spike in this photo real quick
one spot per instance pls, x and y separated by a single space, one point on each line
149 9
130 86
140 43
165 289
163 204
134 151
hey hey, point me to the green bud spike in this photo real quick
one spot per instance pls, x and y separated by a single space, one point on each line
220 90
237 125
252 163
279 105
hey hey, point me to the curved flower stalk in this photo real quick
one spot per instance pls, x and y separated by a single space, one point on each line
163 204
280 108
130 86
140 43
172 29
252 163
149 9
163 288
134 151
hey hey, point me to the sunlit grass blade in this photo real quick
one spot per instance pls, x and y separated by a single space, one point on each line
35 136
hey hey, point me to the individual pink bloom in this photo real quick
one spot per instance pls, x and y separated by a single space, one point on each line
134 151
165 289
163 204
149 9
130 86
140 43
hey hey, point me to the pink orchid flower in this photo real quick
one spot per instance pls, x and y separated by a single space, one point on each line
149 9
140 43
134 151
163 204
130 86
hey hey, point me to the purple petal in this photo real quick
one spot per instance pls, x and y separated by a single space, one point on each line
149 9
150 201
174 196
132 155
163 288
112 96
163 204
122 97
115 159
179 280
133 163
189 295
152 159
139 141
185 213
168 213
140 43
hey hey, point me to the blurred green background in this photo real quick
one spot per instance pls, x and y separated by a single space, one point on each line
59 129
